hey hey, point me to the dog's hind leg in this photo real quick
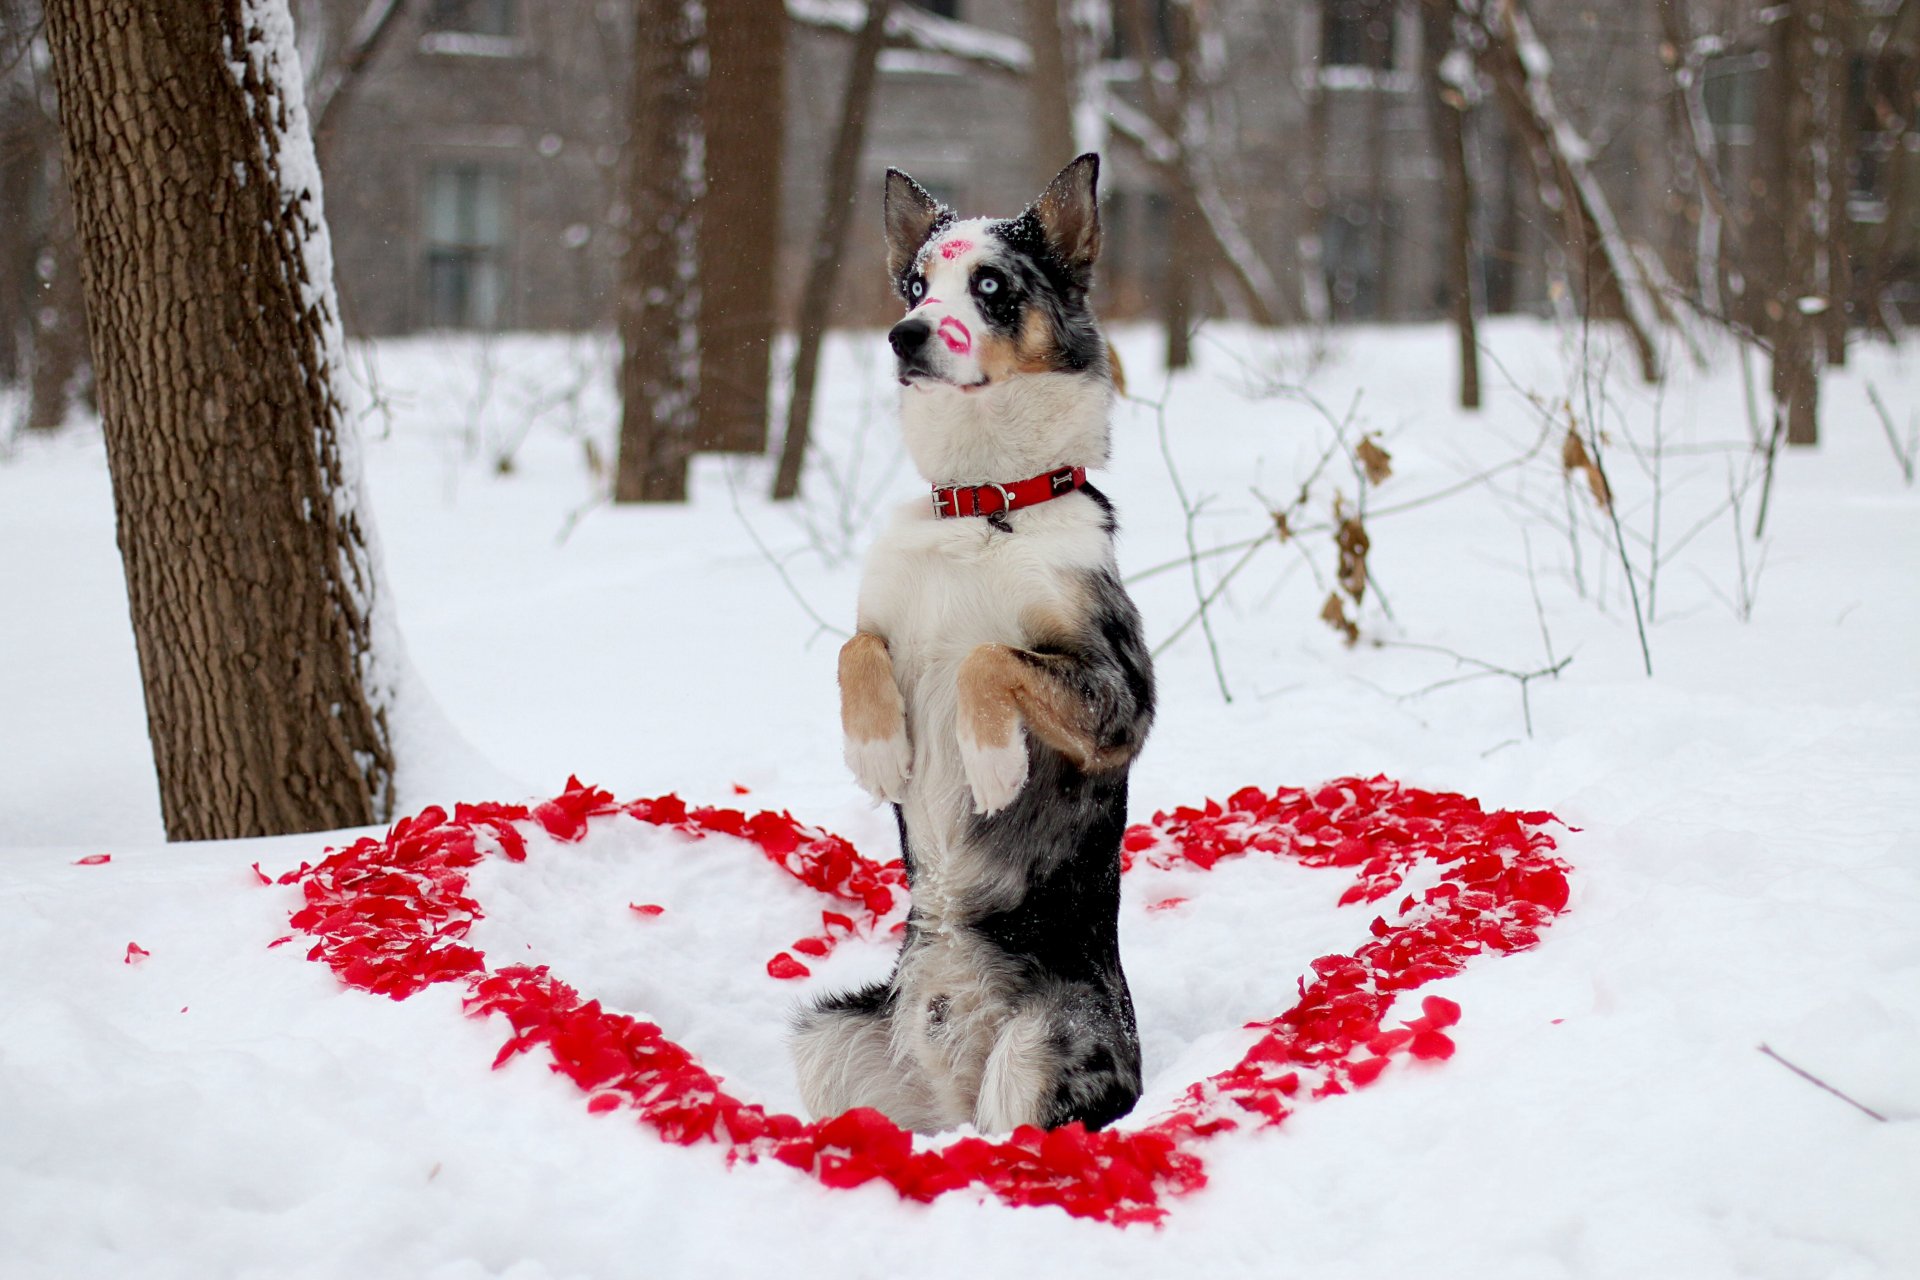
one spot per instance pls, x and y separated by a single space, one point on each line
1073 1056
843 1052
1019 1075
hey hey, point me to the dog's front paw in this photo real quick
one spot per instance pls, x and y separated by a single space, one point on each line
882 765
995 774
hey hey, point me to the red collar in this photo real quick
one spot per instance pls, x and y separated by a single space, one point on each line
990 499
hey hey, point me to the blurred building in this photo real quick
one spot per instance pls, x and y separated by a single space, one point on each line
473 172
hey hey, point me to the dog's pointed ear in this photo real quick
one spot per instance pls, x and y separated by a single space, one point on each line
912 215
1069 213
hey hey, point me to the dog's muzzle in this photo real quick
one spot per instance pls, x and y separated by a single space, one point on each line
910 340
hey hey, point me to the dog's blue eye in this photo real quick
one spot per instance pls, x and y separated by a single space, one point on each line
989 285
917 288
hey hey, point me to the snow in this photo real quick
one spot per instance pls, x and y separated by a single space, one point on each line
1746 870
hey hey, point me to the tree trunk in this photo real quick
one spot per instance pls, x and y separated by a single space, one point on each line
20 164
830 244
58 329
1186 253
659 295
1180 289
744 115
1786 246
210 299
1379 229
1050 88
1446 110
1837 128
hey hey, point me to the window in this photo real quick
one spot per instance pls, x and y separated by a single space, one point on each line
464 228
1357 33
471 17
1158 19
1728 90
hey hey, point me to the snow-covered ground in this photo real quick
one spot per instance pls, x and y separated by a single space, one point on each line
1747 869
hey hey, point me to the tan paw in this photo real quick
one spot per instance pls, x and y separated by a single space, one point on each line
882 766
995 774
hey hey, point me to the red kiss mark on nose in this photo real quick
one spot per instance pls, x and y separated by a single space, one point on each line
954 248
955 335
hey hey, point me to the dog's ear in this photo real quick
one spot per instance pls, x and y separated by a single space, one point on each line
912 215
1069 214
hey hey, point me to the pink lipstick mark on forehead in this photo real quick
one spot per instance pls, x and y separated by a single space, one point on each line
954 248
955 335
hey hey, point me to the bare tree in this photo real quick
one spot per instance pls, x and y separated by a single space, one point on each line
829 243
57 330
1050 87
659 295
1174 133
1785 237
744 114
1833 158
210 301
335 84
1615 281
1446 112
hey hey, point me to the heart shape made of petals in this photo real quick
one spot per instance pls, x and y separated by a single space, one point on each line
392 915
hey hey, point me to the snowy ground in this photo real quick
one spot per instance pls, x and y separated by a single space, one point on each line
1747 871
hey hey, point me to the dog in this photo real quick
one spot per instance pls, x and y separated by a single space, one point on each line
995 693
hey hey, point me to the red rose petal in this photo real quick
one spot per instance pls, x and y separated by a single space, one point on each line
93 860
785 966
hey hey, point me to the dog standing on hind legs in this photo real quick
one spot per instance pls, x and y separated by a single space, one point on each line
995 693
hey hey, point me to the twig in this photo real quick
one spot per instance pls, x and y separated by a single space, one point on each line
1187 507
1766 483
1213 595
1904 456
1619 541
1533 585
1813 1079
1224 549
1523 678
733 495
579 513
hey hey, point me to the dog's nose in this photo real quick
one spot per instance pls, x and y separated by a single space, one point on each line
907 337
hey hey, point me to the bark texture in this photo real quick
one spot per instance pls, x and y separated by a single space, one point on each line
659 295
209 292
745 117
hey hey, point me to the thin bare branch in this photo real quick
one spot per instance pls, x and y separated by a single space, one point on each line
1816 1081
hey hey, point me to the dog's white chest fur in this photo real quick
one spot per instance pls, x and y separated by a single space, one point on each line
938 589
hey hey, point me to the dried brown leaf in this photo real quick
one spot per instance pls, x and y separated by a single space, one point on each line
1334 614
1352 540
1375 461
1575 458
